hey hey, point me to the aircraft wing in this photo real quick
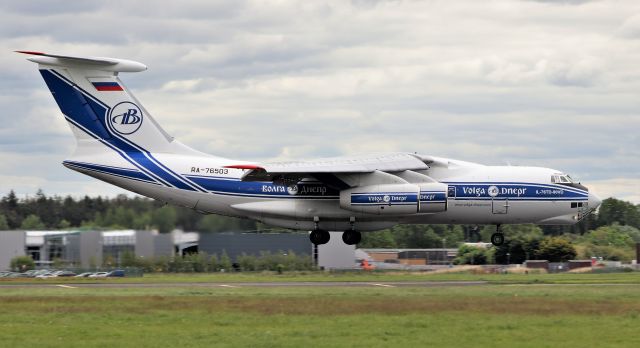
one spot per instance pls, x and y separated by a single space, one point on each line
323 167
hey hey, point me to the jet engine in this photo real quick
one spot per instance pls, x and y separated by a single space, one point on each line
396 199
433 197
390 199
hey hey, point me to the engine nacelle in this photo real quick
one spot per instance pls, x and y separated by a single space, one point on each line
390 199
433 197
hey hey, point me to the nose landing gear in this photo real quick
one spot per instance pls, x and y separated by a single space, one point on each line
497 238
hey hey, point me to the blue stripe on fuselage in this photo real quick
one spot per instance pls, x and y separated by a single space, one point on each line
75 167
232 186
515 191
123 172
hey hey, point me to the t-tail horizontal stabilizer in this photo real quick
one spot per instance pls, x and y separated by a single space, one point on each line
98 63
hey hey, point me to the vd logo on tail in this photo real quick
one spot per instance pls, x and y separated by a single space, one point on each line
125 118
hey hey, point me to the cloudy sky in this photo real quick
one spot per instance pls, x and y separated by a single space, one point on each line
543 83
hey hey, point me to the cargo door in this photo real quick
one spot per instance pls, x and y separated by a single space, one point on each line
500 205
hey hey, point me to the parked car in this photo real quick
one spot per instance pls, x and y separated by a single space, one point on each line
99 275
83 275
40 272
31 273
65 274
116 273
46 275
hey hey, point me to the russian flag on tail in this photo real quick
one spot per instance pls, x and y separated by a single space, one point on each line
107 86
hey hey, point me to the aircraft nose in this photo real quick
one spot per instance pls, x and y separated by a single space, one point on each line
594 201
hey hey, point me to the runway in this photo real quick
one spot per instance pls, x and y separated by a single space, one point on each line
118 285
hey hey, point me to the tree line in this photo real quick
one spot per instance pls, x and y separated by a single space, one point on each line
611 233
42 212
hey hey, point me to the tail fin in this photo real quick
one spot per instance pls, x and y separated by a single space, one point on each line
98 106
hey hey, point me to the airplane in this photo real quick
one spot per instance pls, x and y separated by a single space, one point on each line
119 142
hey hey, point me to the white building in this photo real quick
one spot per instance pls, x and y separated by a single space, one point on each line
82 248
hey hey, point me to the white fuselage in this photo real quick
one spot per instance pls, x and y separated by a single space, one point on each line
476 194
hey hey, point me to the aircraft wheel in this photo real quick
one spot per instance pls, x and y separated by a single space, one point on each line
319 237
497 239
325 237
351 237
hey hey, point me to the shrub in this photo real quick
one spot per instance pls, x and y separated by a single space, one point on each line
556 249
161 264
22 263
225 262
247 262
469 255
201 262
610 253
197 262
214 264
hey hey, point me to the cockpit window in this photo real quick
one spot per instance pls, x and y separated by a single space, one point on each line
561 179
566 181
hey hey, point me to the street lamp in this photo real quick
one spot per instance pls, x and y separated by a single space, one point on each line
508 259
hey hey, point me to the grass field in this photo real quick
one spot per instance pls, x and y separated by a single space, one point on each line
599 310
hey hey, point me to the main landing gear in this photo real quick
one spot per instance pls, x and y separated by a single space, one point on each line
349 237
319 236
497 238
